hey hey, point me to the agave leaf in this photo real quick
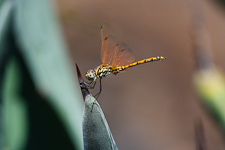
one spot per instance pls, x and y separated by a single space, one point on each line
33 30
39 37
5 16
96 132
15 115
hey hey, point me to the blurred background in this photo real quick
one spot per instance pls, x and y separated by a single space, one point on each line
151 106
155 106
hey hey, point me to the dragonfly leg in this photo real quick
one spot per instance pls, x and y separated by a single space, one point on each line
98 94
90 85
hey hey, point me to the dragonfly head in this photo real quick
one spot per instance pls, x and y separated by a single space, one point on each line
90 75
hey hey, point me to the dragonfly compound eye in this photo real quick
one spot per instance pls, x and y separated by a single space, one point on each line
90 75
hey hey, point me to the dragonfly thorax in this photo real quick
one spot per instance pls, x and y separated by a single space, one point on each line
100 72
103 71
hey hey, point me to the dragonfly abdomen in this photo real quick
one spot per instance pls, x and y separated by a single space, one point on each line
157 58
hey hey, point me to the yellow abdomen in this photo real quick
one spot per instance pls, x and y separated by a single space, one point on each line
157 58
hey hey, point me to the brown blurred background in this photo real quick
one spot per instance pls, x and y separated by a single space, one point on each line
152 106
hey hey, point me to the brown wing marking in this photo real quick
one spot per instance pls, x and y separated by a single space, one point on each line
106 30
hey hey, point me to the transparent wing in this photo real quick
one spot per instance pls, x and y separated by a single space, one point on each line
106 30
108 49
109 43
113 53
122 55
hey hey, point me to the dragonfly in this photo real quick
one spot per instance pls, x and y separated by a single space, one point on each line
115 56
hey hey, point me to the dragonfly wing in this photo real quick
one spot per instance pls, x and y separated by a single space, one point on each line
123 55
106 30
113 53
109 49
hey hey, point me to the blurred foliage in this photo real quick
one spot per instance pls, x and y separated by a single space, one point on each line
41 103
222 2
210 85
209 81
200 135
15 118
